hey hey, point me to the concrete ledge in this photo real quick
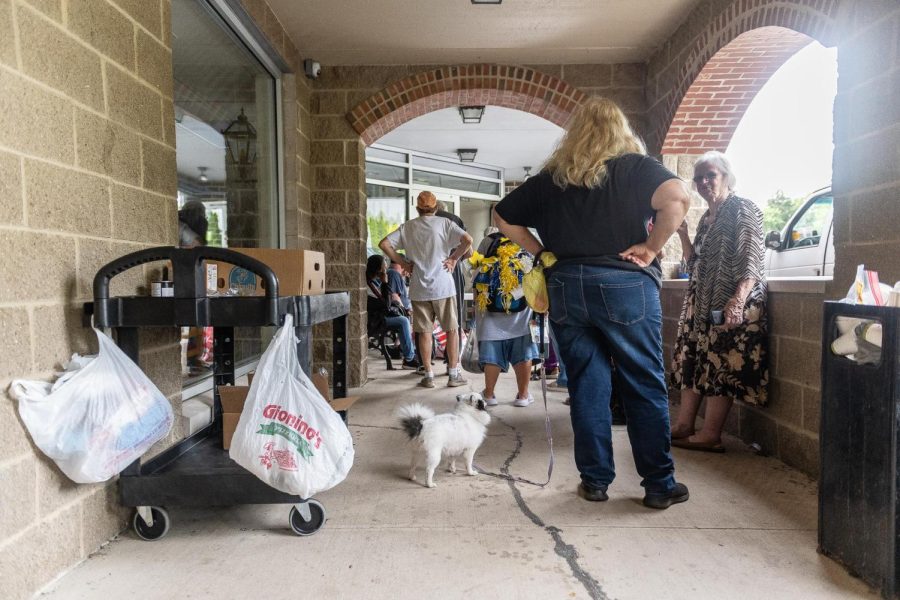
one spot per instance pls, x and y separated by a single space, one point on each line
796 285
799 285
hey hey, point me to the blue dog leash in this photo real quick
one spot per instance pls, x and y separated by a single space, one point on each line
547 427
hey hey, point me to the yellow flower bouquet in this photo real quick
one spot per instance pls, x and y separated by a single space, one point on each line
498 278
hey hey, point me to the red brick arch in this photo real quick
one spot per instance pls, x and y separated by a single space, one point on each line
520 88
816 19
716 102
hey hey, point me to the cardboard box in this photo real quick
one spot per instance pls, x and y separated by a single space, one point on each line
338 404
232 398
299 272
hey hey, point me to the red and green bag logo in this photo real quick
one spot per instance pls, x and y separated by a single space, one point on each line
291 427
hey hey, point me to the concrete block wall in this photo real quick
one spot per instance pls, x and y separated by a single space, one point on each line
788 427
87 173
866 180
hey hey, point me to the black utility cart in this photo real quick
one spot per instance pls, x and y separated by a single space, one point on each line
198 471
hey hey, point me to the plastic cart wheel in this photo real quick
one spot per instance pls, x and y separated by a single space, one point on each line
301 526
153 532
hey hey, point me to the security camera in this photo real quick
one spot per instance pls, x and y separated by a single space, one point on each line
312 68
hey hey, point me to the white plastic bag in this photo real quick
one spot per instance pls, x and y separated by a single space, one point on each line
866 289
288 435
98 417
469 357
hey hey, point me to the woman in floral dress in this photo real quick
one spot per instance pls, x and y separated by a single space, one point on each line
721 352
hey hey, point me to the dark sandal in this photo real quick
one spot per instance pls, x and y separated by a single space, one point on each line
687 444
681 436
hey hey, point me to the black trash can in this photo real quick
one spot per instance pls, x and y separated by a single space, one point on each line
859 448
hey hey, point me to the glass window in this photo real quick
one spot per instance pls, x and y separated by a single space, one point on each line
225 133
811 225
386 154
455 182
424 161
386 209
385 172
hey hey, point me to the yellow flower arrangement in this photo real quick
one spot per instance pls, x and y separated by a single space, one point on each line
510 267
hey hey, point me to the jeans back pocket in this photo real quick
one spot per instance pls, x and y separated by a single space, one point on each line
557 296
624 302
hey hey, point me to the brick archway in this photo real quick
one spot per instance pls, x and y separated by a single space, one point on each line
520 88
675 68
716 102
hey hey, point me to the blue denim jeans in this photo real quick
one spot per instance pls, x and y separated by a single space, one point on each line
598 314
404 332
562 379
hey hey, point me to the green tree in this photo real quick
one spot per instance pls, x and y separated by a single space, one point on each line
379 226
778 210
214 232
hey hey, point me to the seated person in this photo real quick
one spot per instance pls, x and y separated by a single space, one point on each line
383 312
399 287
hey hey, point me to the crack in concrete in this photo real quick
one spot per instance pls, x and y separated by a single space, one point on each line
562 549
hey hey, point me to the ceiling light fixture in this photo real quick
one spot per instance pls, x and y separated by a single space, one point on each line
203 177
467 154
527 172
240 141
471 114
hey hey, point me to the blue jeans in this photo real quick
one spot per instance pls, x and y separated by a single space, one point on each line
562 379
401 326
598 314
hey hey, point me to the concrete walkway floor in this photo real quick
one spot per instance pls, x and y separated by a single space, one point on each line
748 531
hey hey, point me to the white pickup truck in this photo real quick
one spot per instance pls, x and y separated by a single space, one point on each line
805 247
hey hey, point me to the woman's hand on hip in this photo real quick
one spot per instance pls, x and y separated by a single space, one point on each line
639 254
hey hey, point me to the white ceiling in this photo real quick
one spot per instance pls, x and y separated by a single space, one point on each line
199 145
506 138
404 32
530 32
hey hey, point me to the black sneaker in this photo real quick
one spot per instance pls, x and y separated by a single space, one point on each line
678 494
592 495
411 365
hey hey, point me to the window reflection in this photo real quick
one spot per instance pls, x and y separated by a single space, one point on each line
225 128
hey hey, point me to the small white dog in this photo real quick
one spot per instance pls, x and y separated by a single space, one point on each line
459 433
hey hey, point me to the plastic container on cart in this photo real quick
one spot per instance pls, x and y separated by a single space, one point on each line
859 487
197 471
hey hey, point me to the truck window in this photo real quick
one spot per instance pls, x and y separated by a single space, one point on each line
811 226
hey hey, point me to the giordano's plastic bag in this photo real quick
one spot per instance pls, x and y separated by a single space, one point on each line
288 435
100 415
534 284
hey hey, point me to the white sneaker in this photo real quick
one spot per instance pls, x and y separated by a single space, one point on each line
492 401
522 402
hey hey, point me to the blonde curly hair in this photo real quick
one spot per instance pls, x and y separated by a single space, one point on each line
596 133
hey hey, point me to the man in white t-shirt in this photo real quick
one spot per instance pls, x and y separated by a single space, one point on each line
428 240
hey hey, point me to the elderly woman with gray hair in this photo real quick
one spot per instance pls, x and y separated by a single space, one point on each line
721 350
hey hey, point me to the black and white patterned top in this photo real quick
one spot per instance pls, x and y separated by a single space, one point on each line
727 251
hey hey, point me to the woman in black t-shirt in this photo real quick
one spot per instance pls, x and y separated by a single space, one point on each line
590 206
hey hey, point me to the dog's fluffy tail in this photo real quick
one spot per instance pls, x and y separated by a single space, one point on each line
411 417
